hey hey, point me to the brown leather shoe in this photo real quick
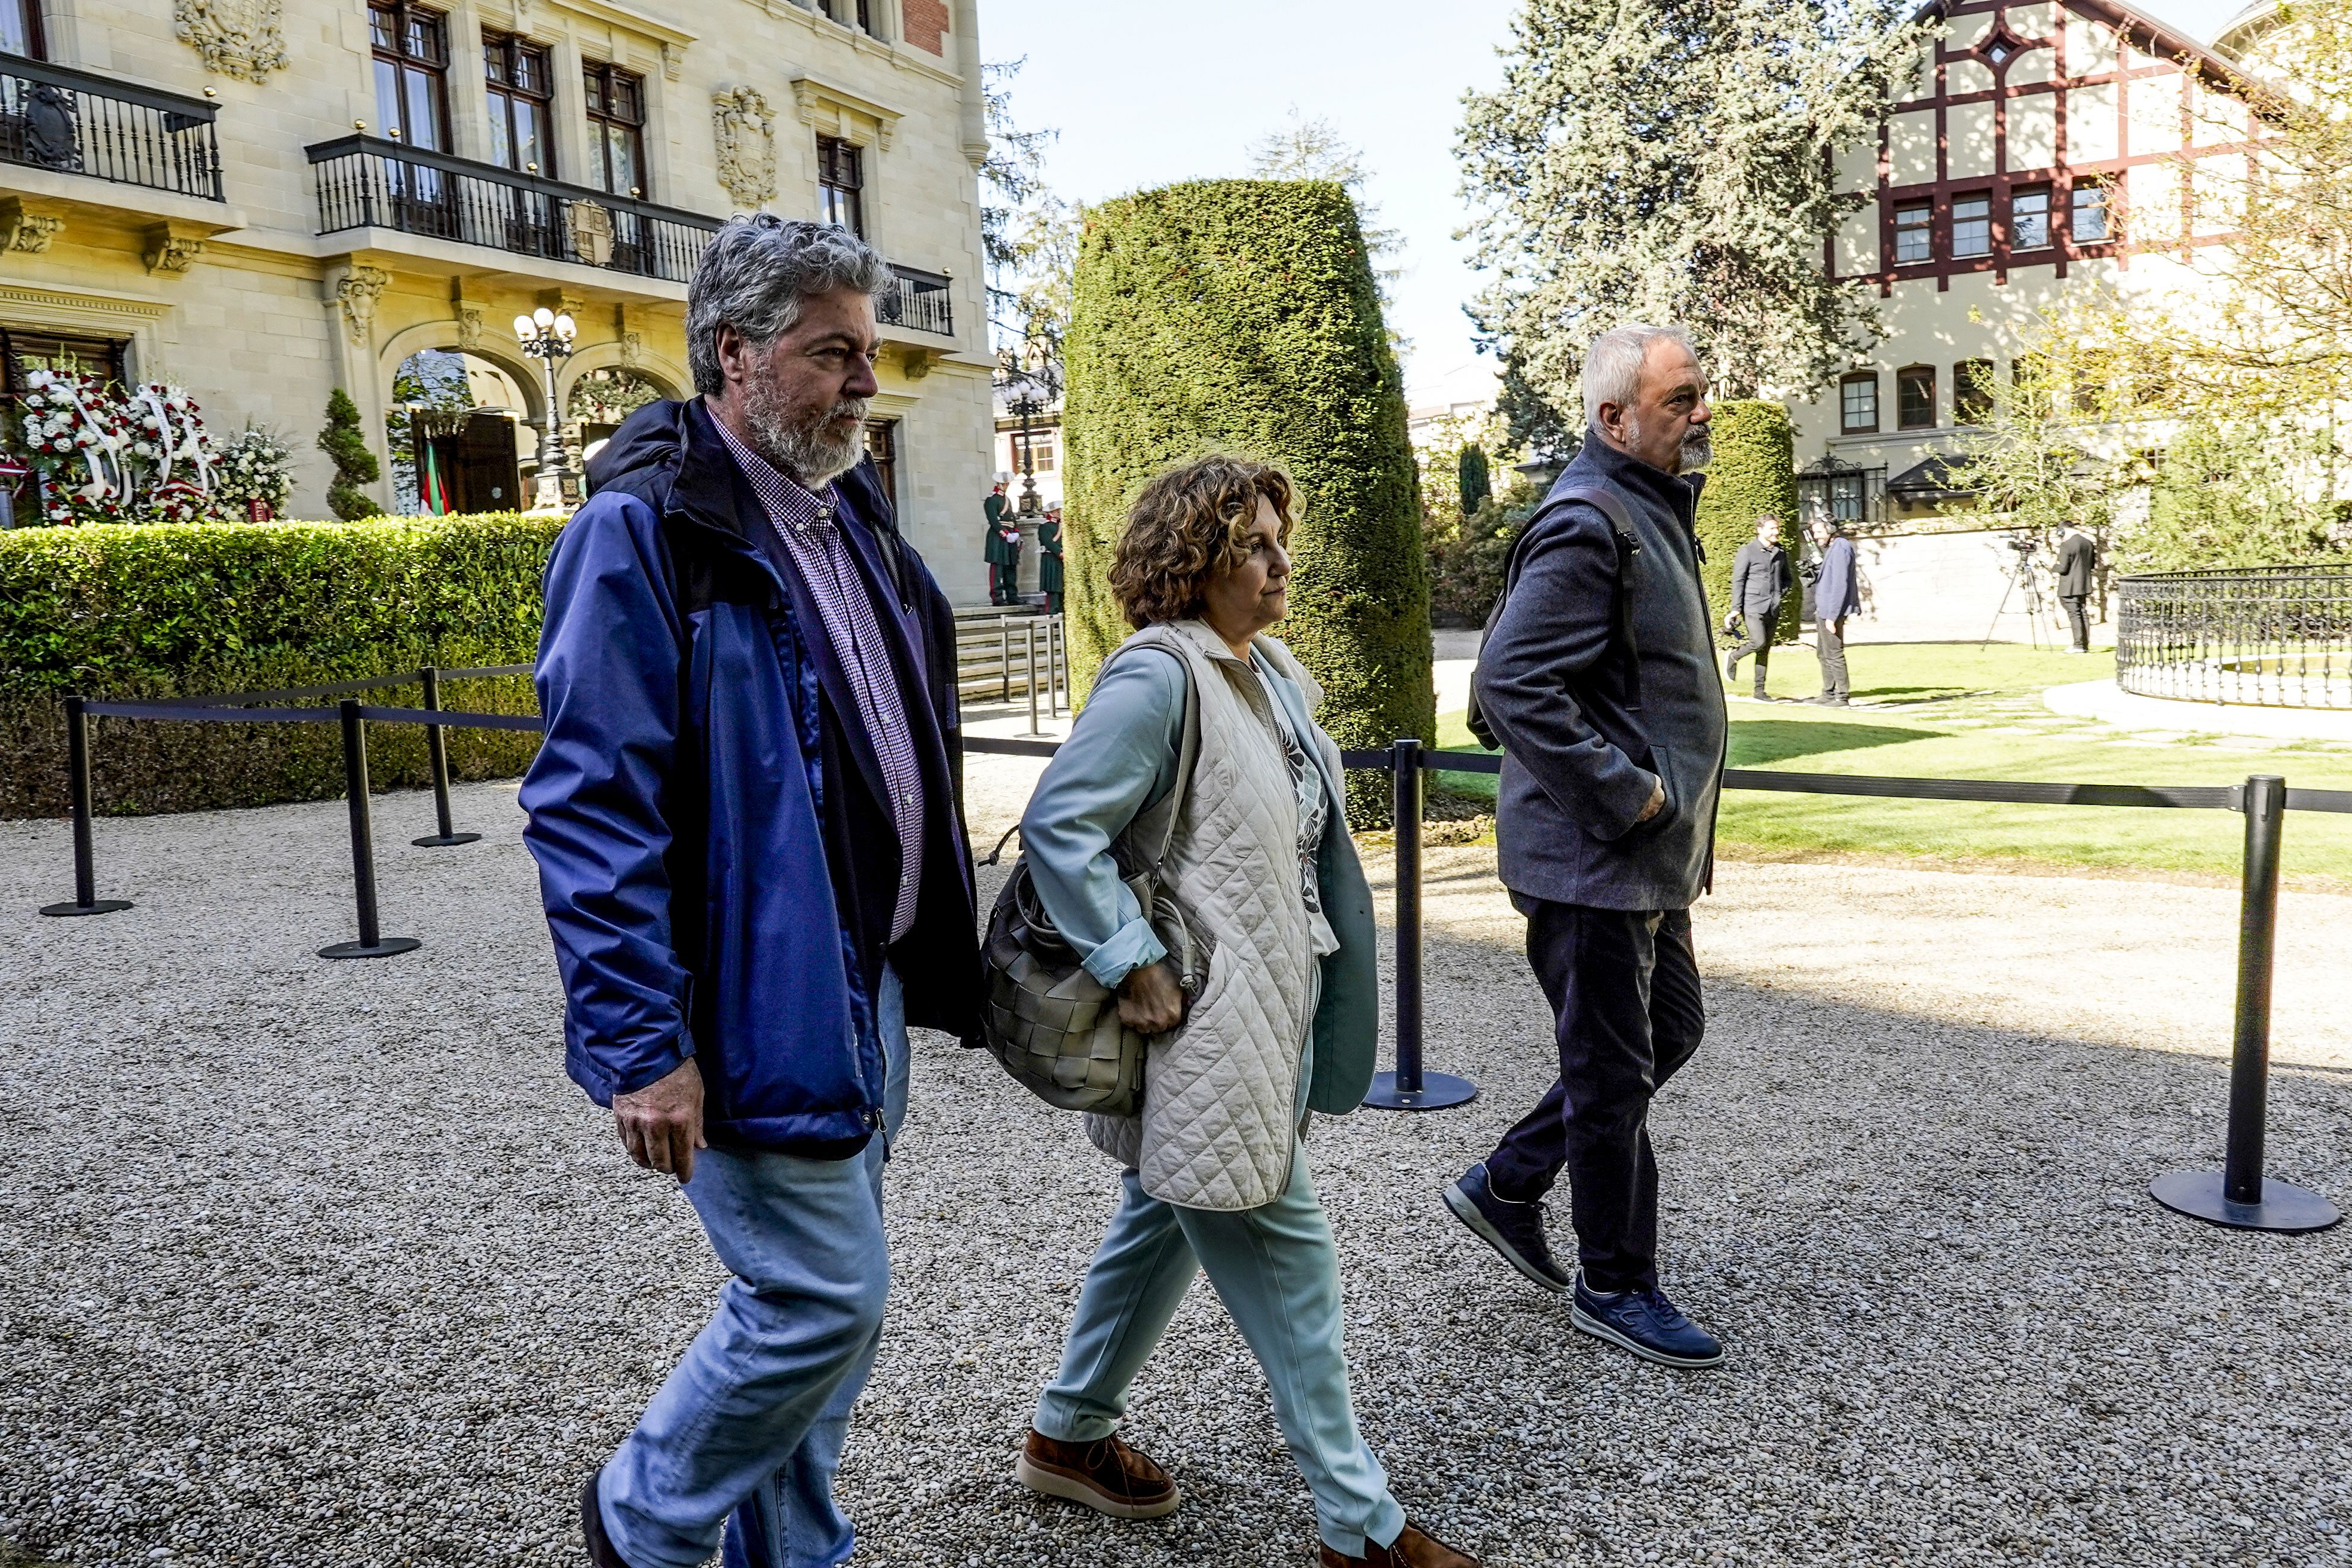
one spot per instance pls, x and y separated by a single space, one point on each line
1106 1475
1414 1549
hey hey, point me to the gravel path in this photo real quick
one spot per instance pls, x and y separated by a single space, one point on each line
305 1263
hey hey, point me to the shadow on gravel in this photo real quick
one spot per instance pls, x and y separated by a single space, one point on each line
305 1263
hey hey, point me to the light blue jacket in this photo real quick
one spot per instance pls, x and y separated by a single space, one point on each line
1119 760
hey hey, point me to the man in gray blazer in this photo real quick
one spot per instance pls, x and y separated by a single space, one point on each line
1600 679
1837 594
1760 579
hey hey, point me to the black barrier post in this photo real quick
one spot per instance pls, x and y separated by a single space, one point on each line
1408 1088
371 945
86 900
2239 1195
436 752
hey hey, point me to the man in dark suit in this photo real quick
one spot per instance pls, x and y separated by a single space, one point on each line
1837 594
2078 565
1760 579
1600 679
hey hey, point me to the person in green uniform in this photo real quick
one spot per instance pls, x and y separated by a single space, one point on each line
1049 559
1003 561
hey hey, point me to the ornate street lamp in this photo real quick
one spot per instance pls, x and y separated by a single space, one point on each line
1026 407
546 337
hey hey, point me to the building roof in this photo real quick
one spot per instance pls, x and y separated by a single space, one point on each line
2147 34
1937 477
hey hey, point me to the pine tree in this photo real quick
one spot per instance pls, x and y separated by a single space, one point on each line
346 441
1673 161
1475 482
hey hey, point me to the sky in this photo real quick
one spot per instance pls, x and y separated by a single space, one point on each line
1145 95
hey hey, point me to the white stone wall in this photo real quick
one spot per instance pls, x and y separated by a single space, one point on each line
261 317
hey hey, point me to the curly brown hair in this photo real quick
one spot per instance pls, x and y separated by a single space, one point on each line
1189 524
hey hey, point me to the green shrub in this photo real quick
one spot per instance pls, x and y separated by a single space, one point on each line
1754 471
346 443
1470 470
168 610
1241 315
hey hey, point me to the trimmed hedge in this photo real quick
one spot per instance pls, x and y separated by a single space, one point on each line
1754 471
164 611
1241 315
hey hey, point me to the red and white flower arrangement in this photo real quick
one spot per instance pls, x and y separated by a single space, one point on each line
105 455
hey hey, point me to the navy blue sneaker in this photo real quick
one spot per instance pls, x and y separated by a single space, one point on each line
1515 1230
1644 1322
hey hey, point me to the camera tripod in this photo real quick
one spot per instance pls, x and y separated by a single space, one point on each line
2020 574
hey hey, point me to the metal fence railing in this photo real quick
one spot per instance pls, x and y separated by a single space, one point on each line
79 123
922 300
2237 1196
2278 637
369 182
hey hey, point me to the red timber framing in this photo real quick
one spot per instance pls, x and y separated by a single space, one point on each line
2004 45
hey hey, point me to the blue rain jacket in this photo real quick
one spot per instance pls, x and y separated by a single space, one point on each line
717 864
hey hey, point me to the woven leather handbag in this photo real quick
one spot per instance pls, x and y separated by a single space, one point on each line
1053 1027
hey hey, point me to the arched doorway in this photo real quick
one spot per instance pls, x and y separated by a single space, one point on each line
457 435
600 400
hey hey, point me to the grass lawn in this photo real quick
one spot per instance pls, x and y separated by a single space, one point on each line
1956 711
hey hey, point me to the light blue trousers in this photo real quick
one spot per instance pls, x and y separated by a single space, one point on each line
743 1439
1277 1271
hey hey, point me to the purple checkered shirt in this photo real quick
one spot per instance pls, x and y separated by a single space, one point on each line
804 522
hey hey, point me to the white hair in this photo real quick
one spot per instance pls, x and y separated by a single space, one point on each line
1612 365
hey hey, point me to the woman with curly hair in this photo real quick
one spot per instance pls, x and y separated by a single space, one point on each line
1281 1021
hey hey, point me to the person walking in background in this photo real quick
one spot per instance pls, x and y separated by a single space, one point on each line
1049 560
2078 568
1002 553
1760 579
755 875
1285 1021
1600 679
1837 594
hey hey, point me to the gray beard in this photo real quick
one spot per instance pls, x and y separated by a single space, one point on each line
811 452
1697 450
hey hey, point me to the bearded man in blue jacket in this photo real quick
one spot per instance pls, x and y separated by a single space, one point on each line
755 872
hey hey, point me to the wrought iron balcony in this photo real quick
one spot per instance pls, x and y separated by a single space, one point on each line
77 122
366 182
918 300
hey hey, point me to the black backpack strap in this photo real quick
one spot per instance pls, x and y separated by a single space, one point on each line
1620 616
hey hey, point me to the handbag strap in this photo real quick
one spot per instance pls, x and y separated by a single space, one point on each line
1156 826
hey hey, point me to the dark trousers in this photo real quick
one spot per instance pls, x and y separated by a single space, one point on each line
1623 988
1833 651
2078 619
1756 637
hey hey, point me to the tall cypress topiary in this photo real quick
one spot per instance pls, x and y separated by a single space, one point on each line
1472 473
1754 471
1241 316
346 441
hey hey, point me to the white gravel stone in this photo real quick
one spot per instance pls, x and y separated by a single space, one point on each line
308 1263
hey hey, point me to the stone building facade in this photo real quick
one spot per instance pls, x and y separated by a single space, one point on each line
2038 151
265 200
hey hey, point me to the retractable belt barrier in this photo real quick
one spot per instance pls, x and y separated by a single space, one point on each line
2237 1196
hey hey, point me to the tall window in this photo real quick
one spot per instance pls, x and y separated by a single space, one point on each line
1915 397
1039 446
517 70
1913 233
23 351
617 131
1973 226
1858 402
412 73
882 445
2094 219
857 14
20 29
1972 392
840 184
2029 220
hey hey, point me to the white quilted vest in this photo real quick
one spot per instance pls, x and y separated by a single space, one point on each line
1220 1093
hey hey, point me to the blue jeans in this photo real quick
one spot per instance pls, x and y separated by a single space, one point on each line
743 1439
1277 1271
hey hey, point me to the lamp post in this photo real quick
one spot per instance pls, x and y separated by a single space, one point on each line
546 336
1026 407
